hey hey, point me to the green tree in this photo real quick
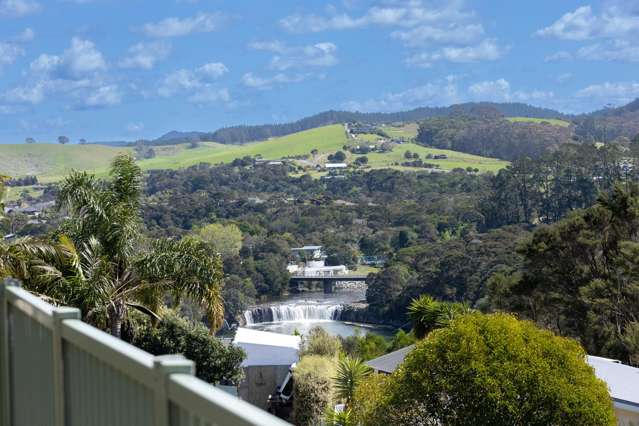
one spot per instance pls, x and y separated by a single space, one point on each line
495 370
319 342
112 268
312 389
350 372
224 239
215 362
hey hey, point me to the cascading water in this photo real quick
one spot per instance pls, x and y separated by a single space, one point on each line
306 311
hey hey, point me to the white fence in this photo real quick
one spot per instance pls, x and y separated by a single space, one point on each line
57 370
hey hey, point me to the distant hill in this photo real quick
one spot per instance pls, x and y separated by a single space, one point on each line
244 133
609 124
52 161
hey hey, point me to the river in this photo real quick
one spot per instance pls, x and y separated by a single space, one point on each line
304 311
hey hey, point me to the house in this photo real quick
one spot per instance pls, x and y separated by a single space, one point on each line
622 381
623 385
268 359
335 166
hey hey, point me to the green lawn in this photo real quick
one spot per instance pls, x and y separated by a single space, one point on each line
553 121
408 130
50 162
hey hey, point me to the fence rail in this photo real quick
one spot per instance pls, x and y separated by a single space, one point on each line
57 370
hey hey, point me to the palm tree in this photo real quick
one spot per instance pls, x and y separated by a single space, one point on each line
428 314
350 373
111 268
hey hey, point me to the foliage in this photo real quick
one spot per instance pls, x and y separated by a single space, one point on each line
370 406
579 276
110 269
341 418
546 189
350 372
365 347
492 136
428 314
215 361
313 389
318 342
477 371
224 239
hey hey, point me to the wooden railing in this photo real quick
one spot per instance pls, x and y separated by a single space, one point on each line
57 370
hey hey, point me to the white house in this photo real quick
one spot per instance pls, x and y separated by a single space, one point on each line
268 358
623 385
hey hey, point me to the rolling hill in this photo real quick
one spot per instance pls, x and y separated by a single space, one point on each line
50 162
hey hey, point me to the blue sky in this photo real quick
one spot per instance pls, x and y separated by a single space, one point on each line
114 69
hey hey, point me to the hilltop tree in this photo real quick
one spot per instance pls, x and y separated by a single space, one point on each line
489 370
29 140
63 140
82 141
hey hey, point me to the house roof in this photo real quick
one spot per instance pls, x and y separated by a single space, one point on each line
263 348
388 363
622 380
306 248
335 165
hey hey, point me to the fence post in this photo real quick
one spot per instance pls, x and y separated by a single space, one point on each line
59 395
165 365
5 361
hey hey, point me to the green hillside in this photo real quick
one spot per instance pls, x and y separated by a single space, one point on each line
553 121
324 139
52 161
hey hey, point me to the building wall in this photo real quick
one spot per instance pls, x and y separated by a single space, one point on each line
626 417
260 382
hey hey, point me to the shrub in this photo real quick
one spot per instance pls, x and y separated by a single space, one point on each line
492 370
215 362
313 389
319 342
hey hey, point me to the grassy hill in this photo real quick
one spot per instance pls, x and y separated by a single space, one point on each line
51 162
324 139
553 121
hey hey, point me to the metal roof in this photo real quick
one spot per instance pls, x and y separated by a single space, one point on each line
388 363
622 380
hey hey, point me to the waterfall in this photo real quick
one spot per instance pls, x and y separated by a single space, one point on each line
293 312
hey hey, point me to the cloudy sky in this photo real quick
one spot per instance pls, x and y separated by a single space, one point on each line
116 69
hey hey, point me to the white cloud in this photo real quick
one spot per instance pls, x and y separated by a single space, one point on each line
611 92
135 127
17 8
199 84
500 91
617 21
25 36
559 56
264 83
80 59
9 52
487 50
100 97
77 75
178 27
213 70
145 55
428 34
407 14
438 93
578 25
616 50
285 57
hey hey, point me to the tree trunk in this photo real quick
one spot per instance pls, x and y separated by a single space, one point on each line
116 317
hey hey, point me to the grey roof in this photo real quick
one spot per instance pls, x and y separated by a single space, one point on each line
622 380
388 363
